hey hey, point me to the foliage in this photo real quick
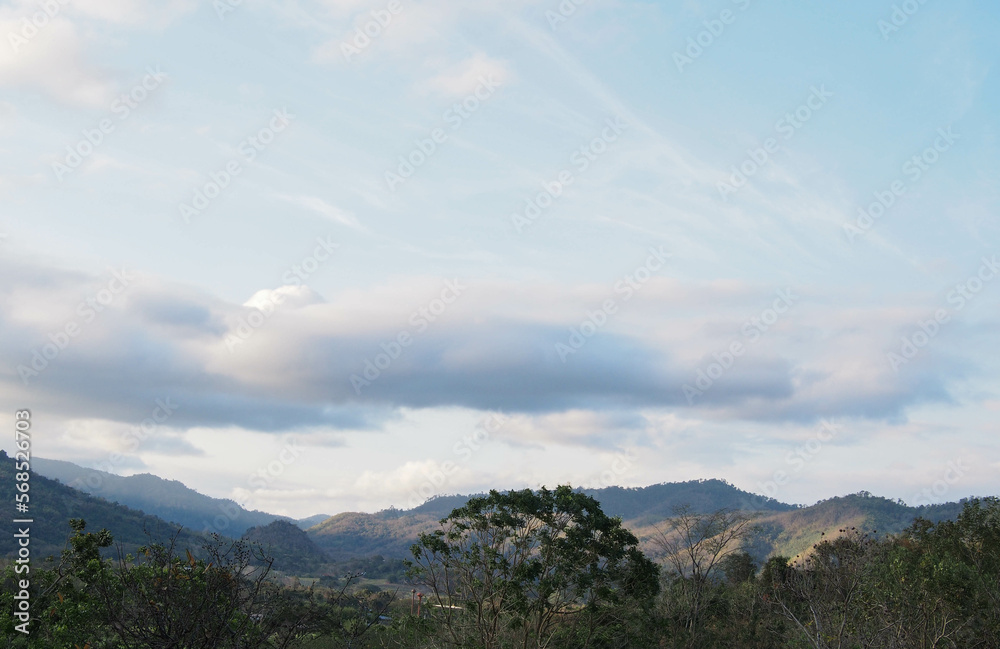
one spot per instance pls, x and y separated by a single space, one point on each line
63 610
290 547
545 569
695 547
514 568
166 598
52 504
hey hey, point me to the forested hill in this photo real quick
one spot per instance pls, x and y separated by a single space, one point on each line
658 501
290 547
784 529
654 502
52 504
168 499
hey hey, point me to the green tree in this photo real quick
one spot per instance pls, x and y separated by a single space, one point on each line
532 569
64 610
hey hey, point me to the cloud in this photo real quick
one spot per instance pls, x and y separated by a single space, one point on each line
48 50
50 59
286 297
606 430
297 364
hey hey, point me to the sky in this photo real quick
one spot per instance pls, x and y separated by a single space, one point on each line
340 255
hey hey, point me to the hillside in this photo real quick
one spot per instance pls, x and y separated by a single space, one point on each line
293 551
793 533
657 502
391 532
171 500
785 529
654 502
52 504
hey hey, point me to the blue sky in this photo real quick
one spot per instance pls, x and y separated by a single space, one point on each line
569 251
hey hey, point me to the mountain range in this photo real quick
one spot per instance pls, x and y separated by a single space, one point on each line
168 499
130 506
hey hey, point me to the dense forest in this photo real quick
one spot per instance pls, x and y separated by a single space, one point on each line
540 569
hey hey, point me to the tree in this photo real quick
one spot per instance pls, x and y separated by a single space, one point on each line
518 568
694 548
65 610
833 596
163 599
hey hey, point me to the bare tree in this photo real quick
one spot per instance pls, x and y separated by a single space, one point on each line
694 546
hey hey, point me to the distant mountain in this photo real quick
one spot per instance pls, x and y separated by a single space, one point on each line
293 551
657 502
52 504
784 529
168 499
794 533
391 532
306 523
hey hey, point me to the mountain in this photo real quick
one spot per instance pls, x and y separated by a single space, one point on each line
788 530
168 499
391 532
52 504
292 549
793 533
657 502
306 523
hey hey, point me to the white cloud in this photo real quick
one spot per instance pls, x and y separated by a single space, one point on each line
53 62
289 296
